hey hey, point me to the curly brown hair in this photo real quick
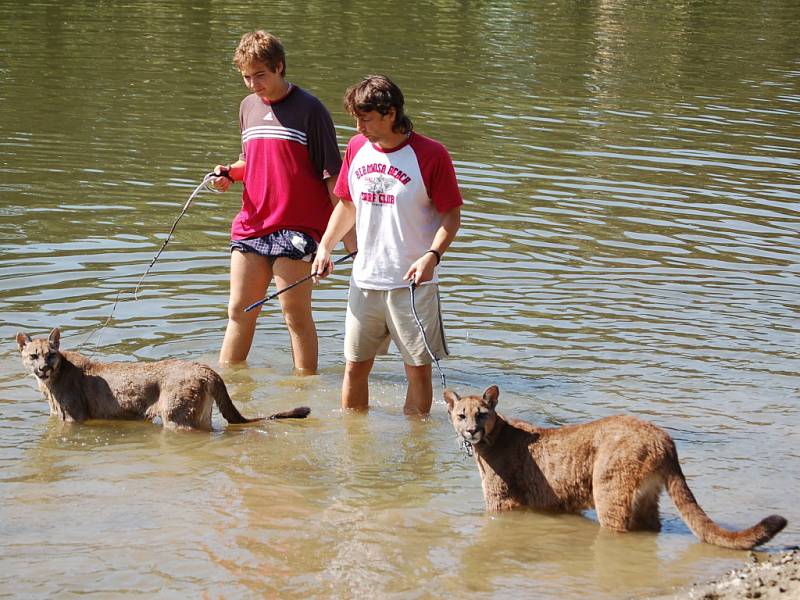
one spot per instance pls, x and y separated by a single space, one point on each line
381 94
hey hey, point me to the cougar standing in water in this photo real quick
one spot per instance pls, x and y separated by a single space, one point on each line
178 392
616 465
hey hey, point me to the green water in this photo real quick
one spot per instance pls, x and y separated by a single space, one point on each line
629 244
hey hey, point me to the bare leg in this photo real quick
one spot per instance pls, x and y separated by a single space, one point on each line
296 306
250 276
355 386
419 394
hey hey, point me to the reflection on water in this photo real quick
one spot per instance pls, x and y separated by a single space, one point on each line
629 244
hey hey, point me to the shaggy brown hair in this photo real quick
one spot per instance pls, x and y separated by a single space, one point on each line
263 47
381 94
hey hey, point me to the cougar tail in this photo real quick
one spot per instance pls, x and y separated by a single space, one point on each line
301 412
226 405
707 530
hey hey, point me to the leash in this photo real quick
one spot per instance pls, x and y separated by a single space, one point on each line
203 185
412 286
296 283
465 446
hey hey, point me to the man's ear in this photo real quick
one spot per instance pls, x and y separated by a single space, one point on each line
491 395
450 397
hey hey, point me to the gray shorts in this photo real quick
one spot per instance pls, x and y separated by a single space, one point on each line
374 317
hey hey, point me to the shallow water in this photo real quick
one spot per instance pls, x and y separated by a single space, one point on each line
629 244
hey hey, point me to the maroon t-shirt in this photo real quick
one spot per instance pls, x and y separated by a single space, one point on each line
290 149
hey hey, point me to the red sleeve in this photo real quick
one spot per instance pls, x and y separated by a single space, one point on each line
342 187
438 173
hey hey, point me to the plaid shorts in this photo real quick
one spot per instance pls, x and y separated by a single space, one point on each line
284 242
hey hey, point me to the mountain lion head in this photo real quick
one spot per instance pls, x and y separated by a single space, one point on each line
40 356
473 417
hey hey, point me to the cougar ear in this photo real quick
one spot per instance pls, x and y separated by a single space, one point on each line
55 338
451 398
491 395
22 340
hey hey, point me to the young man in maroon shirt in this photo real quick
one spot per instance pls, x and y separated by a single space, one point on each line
288 165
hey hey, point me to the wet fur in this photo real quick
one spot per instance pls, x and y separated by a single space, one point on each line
179 393
616 465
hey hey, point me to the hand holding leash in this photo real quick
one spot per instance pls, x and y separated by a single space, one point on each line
222 178
423 268
322 265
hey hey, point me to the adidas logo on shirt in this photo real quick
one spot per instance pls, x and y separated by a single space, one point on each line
268 116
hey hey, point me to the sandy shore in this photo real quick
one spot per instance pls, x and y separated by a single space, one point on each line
776 577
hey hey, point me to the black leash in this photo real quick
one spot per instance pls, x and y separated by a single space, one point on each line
412 286
296 283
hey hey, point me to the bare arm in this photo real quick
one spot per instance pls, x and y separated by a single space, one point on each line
422 269
349 238
341 223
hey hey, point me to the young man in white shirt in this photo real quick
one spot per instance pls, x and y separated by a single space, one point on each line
399 190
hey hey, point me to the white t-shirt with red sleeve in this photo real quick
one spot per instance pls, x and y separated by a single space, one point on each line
400 195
